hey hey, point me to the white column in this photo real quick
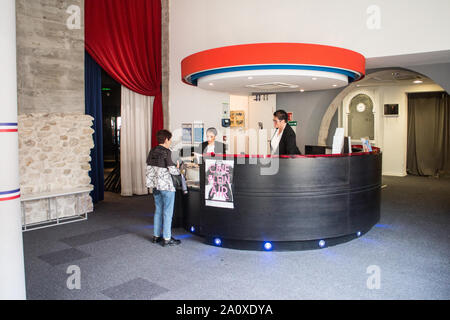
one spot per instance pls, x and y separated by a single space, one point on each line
12 272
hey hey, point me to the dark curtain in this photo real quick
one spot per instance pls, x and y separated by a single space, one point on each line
428 134
124 37
93 96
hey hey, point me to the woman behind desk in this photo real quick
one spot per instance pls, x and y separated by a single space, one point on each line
283 141
211 145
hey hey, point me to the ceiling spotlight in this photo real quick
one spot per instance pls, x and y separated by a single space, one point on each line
211 84
334 85
302 90
314 79
417 81
250 78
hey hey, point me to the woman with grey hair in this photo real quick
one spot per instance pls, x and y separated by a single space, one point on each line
211 145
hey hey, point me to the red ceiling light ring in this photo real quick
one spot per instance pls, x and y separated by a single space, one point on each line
273 54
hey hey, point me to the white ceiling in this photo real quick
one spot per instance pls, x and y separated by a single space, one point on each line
272 81
406 60
393 77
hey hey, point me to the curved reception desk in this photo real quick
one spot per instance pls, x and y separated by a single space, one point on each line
286 202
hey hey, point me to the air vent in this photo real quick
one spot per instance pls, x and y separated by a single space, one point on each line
378 79
272 86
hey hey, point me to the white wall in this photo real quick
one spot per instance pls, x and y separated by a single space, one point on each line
405 26
308 109
391 132
235 145
238 103
195 25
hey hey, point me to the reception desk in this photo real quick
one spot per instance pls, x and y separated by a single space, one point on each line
309 202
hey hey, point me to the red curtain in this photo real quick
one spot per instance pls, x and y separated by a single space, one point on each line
124 38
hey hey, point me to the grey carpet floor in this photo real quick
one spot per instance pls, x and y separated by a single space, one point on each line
410 247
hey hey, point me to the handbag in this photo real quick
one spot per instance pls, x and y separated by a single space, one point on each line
176 180
179 183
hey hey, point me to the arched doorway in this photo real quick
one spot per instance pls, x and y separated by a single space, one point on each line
359 118
390 131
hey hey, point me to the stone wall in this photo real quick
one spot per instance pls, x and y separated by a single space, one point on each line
54 155
50 57
55 137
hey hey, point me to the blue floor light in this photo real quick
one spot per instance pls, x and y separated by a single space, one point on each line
267 246
217 241
358 234
192 229
322 243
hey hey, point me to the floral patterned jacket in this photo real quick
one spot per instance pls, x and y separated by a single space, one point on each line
160 167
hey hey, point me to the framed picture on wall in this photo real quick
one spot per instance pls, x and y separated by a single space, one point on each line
391 110
237 118
199 130
186 137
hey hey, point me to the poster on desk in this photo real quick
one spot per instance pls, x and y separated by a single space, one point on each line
218 183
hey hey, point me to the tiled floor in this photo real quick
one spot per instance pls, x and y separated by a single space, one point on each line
64 256
138 288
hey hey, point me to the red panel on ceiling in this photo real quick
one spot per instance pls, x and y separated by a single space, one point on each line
273 53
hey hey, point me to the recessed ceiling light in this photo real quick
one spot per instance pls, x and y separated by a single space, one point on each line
418 81
334 85
302 90
250 78
211 84
314 78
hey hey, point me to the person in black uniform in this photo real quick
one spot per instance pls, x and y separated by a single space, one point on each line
211 145
283 141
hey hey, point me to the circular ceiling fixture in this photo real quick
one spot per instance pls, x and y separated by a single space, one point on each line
273 67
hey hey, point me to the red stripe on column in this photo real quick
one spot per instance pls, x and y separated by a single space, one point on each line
8 130
10 198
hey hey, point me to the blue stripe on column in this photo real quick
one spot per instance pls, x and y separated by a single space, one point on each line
10 124
9 192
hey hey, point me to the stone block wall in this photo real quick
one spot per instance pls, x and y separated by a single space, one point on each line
54 156
55 137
